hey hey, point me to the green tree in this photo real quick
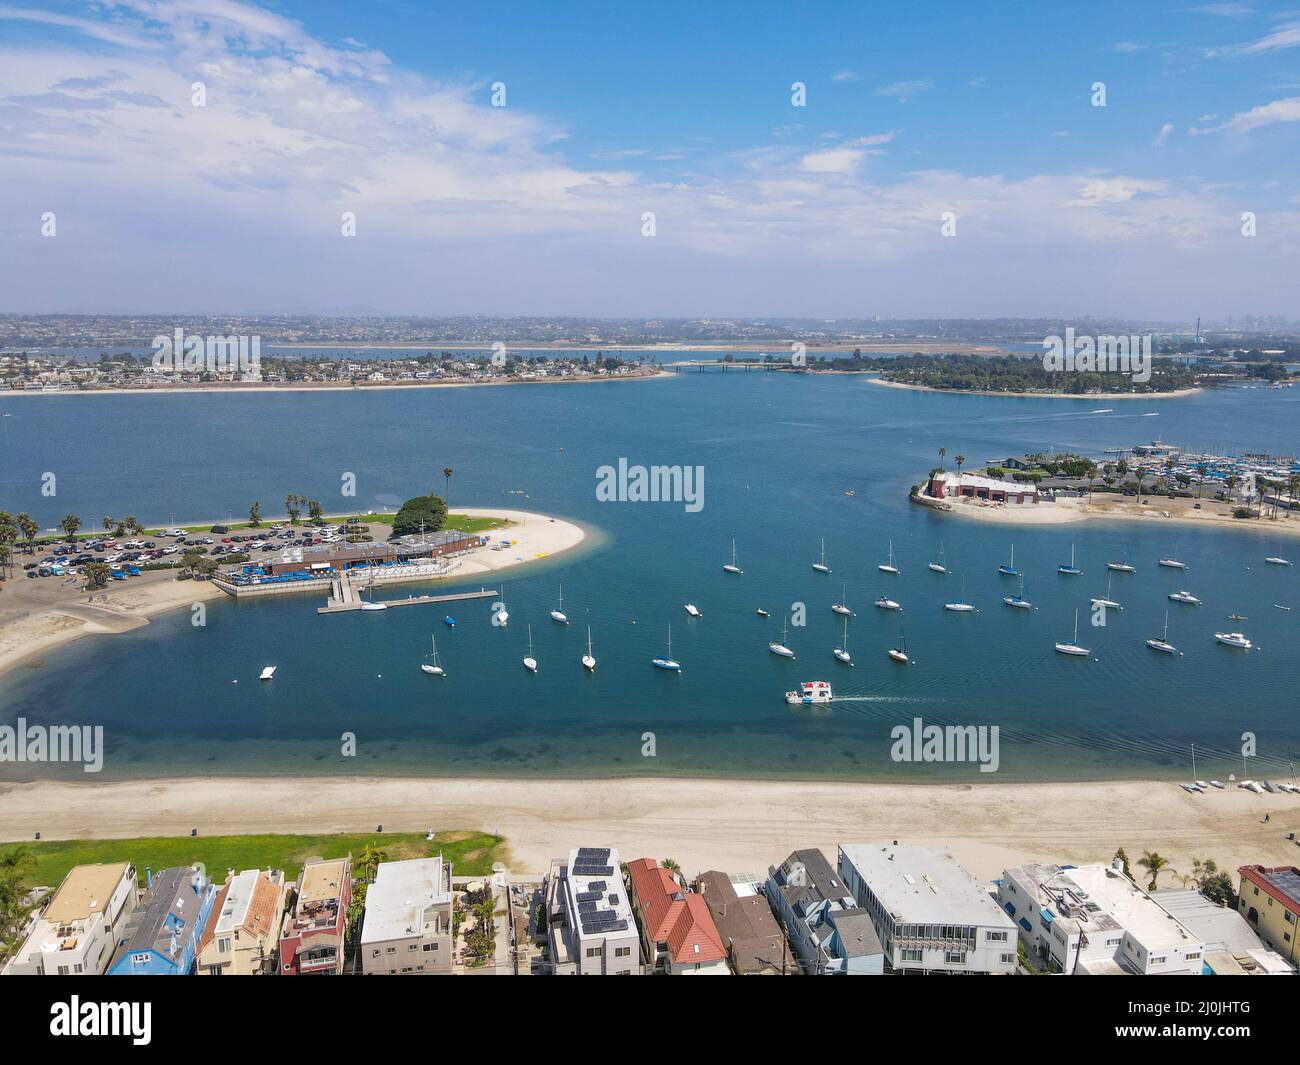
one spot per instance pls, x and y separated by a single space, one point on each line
1123 861
29 528
431 510
96 574
1153 864
255 514
70 524
17 864
447 471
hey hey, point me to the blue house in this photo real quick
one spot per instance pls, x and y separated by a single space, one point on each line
162 936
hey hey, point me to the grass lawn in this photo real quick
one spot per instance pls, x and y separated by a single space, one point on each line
472 853
458 522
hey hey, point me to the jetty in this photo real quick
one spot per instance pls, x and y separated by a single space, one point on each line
345 596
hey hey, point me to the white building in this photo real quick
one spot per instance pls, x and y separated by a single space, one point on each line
589 924
1094 920
80 928
407 927
930 914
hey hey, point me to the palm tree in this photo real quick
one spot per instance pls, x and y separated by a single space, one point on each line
29 528
1152 863
960 460
942 451
108 523
1202 469
70 524
370 860
447 471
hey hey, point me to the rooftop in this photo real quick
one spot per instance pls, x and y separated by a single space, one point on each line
595 899
923 885
323 880
1282 882
744 919
84 891
1221 927
171 905
1135 910
673 916
396 903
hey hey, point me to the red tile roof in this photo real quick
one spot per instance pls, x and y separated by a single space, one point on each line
674 916
1266 880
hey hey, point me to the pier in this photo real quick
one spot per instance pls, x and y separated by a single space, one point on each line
344 597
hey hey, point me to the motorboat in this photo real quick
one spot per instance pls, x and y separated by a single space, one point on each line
1234 639
1182 596
810 693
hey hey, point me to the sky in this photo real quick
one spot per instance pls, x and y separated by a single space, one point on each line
798 160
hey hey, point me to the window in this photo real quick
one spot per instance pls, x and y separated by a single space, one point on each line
997 937
430 946
911 954
390 950
622 952
595 952
374 953
1194 956
954 957
1008 959
1158 959
223 946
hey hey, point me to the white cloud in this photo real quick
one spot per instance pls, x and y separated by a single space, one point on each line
845 75
1163 135
1287 110
903 91
833 161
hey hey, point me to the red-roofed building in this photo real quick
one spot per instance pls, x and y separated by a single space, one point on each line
677 931
1270 900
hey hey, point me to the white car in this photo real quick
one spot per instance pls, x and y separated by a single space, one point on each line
174 532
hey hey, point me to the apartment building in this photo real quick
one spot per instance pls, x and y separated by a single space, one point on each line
80 927
407 925
678 936
589 924
829 933
931 915
161 937
242 935
754 942
312 935
1269 899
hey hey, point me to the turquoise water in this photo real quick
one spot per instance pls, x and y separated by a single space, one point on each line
779 454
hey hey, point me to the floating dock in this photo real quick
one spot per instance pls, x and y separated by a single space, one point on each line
345 597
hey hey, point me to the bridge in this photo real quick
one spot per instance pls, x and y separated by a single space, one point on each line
701 365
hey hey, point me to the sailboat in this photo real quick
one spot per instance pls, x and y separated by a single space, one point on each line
780 648
1277 560
435 669
667 661
821 566
1172 562
885 603
530 663
961 606
558 613
1163 644
1008 569
889 567
899 653
1122 567
843 607
942 565
842 651
588 662
1018 600
502 616
1071 570
1107 603
370 604
1073 647
731 567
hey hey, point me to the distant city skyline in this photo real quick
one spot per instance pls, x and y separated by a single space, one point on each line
202 154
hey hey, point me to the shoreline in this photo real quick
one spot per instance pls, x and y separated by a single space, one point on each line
739 825
1180 393
49 625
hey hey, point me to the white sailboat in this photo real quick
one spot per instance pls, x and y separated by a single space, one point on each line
502 616
821 566
1071 570
530 663
842 651
667 661
942 565
899 653
731 567
961 606
843 606
1162 644
1008 569
1122 567
1107 603
1073 647
1172 563
1018 600
1275 560
780 648
885 603
588 662
370 604
436 669
558 613
889 567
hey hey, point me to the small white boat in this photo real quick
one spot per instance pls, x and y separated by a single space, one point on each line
1218 784
1107 603
588 662
1191 789
1172 563
1202 784
530 663
371 605
1073 647
1071 570
667 661
1162 644
780 648
810 693
889 567
821 566
961 606
842 651
693 610
1234 639
885 603
558 613
899 653
436 669
1019 601
1181 596
942 565
731 567
843 607
267 673
762 613
1274 560
1250 785
1122 567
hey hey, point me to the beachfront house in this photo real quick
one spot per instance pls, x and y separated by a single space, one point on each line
931 915
590 929
79 928
828 932
161 937
242 934
1093 920
312 936
407 927
1231 946
949 485
750 935
678 936
1269 899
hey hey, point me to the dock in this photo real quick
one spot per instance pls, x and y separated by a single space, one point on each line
344 597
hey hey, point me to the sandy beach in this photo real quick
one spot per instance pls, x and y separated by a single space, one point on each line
1179 393
37 616
736 825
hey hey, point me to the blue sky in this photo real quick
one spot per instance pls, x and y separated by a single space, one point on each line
684 110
